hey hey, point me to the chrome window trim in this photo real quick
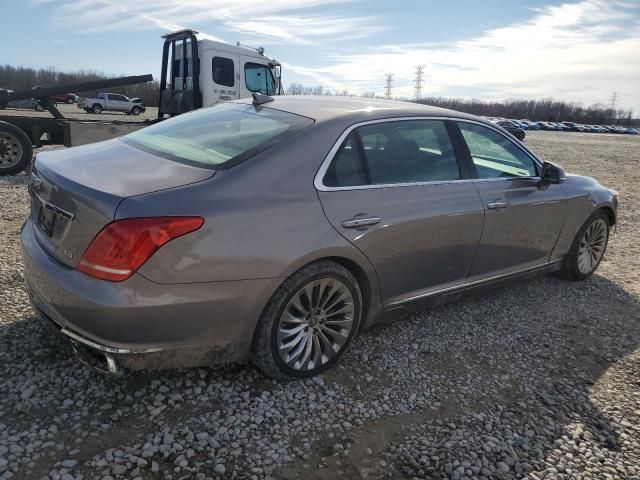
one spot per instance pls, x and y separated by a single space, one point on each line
318 180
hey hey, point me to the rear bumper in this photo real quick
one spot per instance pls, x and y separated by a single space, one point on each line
140 323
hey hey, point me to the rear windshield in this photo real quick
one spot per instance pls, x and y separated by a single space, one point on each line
218 137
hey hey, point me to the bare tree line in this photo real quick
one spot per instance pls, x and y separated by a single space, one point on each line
21 78
545 109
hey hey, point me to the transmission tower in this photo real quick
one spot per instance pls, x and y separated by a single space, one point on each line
418 81
388 85
613 100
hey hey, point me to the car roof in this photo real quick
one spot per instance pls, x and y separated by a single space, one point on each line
325 108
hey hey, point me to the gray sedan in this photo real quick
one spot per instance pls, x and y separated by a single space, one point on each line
275 230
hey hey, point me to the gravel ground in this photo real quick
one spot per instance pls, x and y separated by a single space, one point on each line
537 380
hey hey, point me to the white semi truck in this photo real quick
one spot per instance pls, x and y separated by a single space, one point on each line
221 72
195 73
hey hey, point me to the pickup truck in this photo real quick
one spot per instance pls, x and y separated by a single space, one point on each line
111 102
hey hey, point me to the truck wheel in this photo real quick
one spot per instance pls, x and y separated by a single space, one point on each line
15 149
39 107
70 100
97 108
136 110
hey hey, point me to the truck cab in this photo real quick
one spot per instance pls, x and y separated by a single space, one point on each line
201 73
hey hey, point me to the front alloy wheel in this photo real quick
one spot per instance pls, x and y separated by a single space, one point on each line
588 248
592 246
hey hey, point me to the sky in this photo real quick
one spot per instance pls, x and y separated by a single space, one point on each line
573 50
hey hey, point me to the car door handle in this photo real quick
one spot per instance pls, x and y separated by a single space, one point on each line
360 222
497 205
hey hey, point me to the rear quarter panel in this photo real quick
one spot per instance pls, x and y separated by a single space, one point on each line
263 219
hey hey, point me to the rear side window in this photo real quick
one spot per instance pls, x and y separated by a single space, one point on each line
494 155
258 78
223 71
411 151
219 136
348 168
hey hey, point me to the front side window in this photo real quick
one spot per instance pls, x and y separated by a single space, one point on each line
223 71
222 135
494 155
258 78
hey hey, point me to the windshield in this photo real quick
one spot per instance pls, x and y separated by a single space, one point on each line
219 136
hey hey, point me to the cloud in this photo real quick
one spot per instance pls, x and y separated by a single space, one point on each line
276 21
575 51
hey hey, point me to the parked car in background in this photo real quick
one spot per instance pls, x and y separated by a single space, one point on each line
512 128
519 123
547 126
28 103
111 102
64 98
574 127
531 125
171 247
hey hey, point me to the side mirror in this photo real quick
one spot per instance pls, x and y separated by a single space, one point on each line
552 173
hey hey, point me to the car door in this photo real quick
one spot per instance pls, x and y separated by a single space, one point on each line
117 103
523 216
257 77
396 191
219 77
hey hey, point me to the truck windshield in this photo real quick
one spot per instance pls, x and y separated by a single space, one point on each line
218 137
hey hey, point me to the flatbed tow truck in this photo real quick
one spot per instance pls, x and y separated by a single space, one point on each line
195 73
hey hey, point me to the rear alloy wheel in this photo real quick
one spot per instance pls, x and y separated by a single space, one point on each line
70 100
136 110
588 248
97 109
15 149
309 322
39 107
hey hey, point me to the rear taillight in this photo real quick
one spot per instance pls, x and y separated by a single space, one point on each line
124 245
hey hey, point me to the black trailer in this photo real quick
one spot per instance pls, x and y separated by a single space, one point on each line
20 134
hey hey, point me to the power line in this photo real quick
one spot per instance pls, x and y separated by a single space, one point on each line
388 85
418 81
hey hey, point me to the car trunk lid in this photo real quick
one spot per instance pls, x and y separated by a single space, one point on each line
75 192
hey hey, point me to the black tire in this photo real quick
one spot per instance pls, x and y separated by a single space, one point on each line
569 270
70 100
11 137
96 108
39 107
136 111
264 352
